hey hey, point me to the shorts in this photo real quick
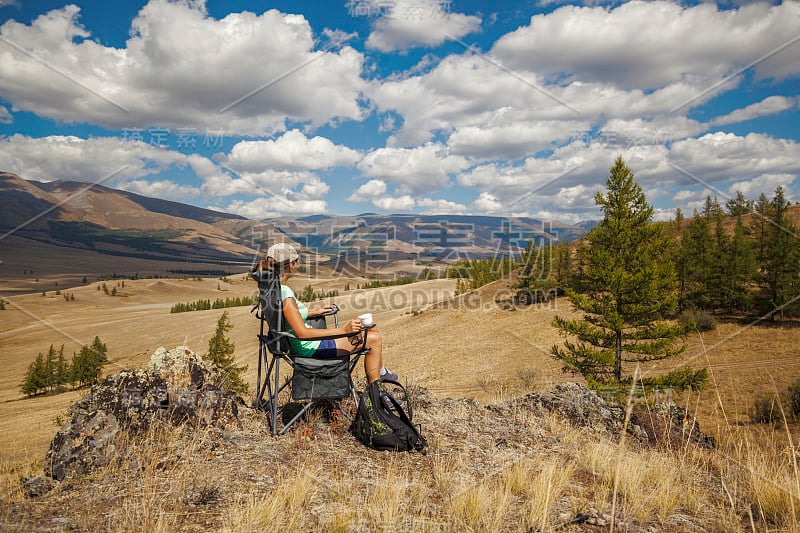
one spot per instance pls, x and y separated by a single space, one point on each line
326 350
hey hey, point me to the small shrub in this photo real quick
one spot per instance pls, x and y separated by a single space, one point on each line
700 320
682 379
792 399
774 408
766 410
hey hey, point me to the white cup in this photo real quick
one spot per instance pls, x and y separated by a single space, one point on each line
366 319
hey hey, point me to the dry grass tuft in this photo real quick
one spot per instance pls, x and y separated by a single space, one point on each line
539 485
284 509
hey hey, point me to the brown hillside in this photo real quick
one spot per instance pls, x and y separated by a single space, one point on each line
474 346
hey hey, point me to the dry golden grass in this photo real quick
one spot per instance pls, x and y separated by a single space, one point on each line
486 471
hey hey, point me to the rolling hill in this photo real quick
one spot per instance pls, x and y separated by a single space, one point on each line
116 231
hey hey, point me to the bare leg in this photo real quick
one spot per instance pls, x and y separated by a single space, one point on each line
373 361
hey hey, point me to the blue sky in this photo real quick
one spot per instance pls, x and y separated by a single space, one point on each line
413 106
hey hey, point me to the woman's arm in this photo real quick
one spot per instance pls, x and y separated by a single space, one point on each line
292 317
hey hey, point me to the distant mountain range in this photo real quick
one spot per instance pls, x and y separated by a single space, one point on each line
94 217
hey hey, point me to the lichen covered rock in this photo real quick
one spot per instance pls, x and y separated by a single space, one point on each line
178 387
582 406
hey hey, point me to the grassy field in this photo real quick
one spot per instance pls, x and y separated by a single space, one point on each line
474 346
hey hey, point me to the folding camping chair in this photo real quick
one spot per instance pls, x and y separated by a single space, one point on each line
312 380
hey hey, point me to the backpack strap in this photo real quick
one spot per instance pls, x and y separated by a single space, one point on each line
405 392
421 443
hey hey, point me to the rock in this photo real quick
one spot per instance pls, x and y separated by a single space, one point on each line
671 426
580 405
37 486
178 387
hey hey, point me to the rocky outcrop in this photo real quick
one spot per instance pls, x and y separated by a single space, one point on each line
178 387
662 425
671 426
580 405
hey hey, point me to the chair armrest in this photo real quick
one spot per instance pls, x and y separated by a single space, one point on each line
337 336
329 312
324 337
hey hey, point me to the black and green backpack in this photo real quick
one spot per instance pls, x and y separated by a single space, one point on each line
382 428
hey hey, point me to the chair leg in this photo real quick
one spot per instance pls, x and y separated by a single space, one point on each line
297 417
269 371
264 384
274 391
261 384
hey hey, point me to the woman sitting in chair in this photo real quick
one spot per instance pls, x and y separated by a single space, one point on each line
282 259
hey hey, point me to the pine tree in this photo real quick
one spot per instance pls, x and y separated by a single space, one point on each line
35 377
79 373
738 270
717 280
711 207
679 218
629 288
50 368
221 353
87 364
693 264
538 276
760 229
781 257
739 206
61 371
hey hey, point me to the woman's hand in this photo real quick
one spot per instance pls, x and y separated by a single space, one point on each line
354 326
321 310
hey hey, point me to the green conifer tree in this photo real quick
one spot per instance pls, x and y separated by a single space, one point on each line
61 371
629 288
718 269
781 259
760 229
738 270
50 368
738 206
35 377
221 352
694 262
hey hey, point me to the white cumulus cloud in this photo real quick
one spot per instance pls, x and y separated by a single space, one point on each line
273 206
441 206
399 204
648 45
766 184
180 68
166 189
424 168
768 106
5 116
405 24
724 156
291 151
368 191
66 157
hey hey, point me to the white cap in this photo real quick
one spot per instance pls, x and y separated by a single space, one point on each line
282 252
